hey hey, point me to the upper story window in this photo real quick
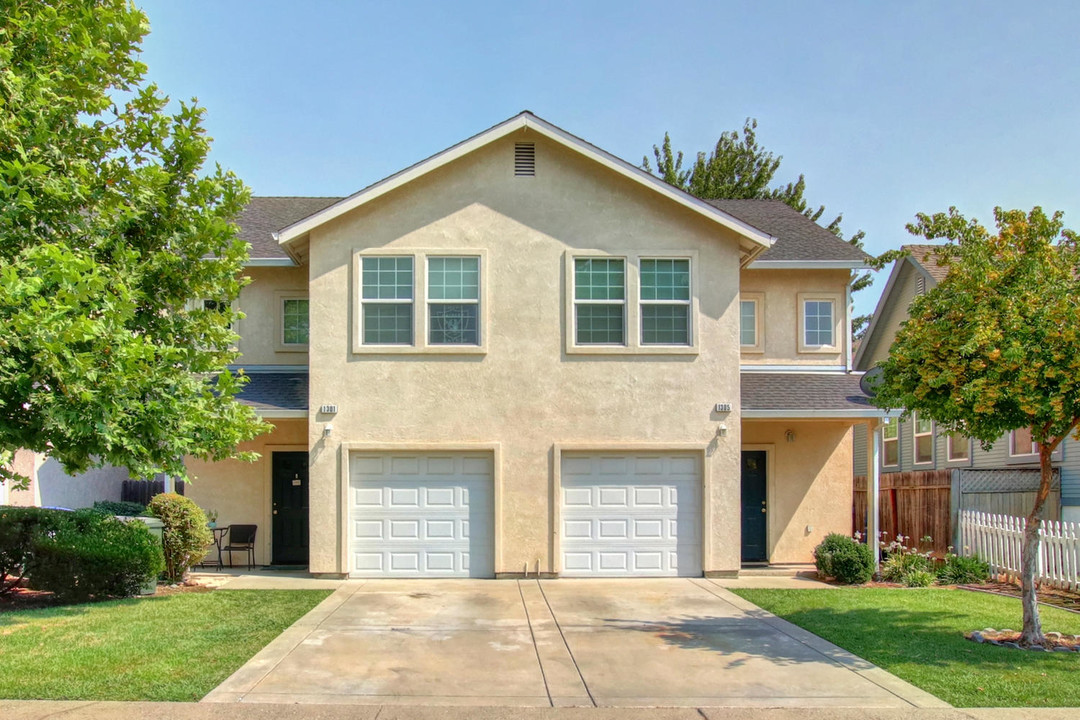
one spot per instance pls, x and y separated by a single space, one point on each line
294 321
1021 443
387 305
419 301
751 322
958 447
630 303
454 300
600 301
665 301
818 329
923 444
890 444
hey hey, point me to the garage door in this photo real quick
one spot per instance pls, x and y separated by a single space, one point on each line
421 515
631 515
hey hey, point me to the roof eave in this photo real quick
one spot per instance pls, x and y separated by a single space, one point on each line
525 120
271 262
819 414
811 265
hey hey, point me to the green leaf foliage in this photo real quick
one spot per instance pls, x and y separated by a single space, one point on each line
185 535
109 227
738 168
995 346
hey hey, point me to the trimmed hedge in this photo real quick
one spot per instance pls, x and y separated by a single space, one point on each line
126 509
77 555
839 556
185 535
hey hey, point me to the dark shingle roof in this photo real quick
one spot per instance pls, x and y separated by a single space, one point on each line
266 215
803 391
276 391
926 256
797 236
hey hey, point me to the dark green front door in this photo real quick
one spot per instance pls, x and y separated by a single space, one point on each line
290 530
753 507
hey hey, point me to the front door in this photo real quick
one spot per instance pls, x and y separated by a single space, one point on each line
753 507
290 526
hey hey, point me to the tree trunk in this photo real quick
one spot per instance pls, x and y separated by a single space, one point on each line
1032 633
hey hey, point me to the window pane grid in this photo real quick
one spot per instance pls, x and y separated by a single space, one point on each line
386 283
818 322
386 324
748 322
387 278
599 279
665 325
600 324
665 280
295 321
454 278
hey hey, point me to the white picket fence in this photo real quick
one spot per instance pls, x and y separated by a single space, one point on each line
999 540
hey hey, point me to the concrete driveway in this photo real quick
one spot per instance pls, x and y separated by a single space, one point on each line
678 642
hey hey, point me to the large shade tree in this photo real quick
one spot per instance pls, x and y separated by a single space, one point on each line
110 229
739 168
995 346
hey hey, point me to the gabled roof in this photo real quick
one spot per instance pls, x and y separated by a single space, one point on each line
755 239
926 258
276 394
263 216
805 395
799 239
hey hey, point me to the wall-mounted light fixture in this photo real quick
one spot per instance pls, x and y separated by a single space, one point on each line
789 435
721 430
327 429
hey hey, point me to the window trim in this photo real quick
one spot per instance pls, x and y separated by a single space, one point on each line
625 302
280 345
419 300
688 304
758 298
632 318
837 329
884 440
949 459
915 435
428 302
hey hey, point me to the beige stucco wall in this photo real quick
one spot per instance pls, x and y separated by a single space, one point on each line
809 483
25 463
525 393
260 301
781 290
891 316
241 491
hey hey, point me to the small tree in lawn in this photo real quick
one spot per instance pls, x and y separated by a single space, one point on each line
995 346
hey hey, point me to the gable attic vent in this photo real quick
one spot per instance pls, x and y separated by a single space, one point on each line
920 286
525 159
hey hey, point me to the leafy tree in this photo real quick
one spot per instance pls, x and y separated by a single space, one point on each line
109 228
739 168
995 346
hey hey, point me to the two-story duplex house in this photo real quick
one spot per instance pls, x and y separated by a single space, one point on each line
524 355
916 443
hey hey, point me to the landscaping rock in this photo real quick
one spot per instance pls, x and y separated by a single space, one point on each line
1012 645
978 637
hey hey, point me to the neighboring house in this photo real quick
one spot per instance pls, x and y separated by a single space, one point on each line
524 355
916 444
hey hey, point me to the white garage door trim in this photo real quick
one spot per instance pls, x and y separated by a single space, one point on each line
488 487
700 492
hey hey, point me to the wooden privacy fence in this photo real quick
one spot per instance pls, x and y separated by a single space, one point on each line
915 504
999 540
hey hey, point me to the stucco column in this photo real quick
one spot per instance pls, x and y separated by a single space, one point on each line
873 490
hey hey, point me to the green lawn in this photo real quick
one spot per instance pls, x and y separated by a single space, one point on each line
177 647
918 636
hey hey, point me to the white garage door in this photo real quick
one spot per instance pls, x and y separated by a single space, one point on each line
421 515
631 515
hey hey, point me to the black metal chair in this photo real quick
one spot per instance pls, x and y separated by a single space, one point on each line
241 539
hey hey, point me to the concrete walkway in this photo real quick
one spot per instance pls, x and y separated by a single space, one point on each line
73 710
589 643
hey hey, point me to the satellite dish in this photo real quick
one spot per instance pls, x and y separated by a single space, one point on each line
870 381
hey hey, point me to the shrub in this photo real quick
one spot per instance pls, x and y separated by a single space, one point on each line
840 557
19 526
94 556
185 535
958 570
899 564
127 509
918 578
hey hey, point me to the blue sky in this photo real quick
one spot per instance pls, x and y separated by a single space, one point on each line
888 108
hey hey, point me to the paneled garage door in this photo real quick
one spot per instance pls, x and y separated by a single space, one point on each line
421 515
631 514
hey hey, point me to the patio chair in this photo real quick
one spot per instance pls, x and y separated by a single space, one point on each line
241 538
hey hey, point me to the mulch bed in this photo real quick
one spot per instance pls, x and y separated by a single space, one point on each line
23 598
1011 638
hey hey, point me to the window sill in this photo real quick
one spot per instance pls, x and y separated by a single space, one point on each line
281 348
751 350
639 350
819 350
414 350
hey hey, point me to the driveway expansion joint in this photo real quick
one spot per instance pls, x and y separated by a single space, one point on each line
536 649
558 627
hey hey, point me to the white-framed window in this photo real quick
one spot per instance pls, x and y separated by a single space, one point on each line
923 443
599 301
664 296
1021 443
751 322
453 300
958 447
819 328
890 444
386 306
294 321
